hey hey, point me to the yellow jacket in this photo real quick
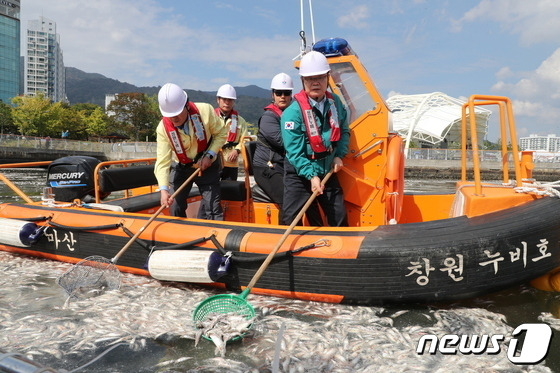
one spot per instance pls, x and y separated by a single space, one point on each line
216 133
242 132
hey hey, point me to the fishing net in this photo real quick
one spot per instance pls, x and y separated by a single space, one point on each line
92 274
229 305
224 303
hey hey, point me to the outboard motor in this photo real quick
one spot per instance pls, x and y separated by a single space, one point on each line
72 177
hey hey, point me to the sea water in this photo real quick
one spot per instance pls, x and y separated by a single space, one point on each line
146 326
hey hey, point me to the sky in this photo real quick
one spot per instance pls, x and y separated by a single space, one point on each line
492 47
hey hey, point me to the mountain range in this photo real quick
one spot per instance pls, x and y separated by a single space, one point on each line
83 87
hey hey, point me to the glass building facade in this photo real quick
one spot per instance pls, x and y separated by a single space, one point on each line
9 49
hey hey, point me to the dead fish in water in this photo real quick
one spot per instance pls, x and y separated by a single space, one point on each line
222 327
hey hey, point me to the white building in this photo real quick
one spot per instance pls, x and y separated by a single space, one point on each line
549 143
433 119
44 70
109 97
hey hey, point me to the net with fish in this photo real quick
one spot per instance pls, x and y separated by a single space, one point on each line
92 273
227 304
224 303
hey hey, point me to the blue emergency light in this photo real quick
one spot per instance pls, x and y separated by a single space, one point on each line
333 47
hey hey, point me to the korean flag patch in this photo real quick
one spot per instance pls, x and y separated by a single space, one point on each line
289 125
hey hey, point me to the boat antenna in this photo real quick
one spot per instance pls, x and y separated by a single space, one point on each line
301 17
312 23
303 48
301 33
303 42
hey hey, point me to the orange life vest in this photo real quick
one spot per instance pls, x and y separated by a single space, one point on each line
232 133
275 109
313 131
175 138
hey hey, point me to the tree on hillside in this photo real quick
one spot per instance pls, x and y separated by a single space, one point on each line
31 114
6 120
489 145
96 122
133 115
499 145
86 108
66 118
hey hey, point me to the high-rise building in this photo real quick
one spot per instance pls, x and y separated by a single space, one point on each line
9 49
549 143
44 70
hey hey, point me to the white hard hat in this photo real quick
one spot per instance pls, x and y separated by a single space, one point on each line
172 100
314 63
227 91
282 81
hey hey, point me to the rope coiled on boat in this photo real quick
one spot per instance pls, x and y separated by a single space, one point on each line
541 189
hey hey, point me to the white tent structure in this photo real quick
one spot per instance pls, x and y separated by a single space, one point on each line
432 118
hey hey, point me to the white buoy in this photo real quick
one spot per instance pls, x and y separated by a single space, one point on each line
18 233
197 266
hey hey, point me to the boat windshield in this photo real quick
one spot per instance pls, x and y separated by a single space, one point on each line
354 92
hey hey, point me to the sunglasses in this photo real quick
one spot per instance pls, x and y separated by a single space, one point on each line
282 93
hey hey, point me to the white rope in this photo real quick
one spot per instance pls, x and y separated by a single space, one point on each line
541 189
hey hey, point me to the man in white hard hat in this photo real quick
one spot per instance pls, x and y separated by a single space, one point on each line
237 129
316 134
268 160
192 135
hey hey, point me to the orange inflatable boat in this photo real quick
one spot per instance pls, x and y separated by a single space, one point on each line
398 248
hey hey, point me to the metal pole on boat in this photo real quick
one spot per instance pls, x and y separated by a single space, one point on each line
312 23
237 304
15 188
152 218
302 32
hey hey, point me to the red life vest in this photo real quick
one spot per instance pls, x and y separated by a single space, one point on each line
232 133
175 138
313 131
275 109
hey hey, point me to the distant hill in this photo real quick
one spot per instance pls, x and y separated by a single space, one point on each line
253 90
82 87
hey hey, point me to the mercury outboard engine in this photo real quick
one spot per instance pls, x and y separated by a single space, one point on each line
72 177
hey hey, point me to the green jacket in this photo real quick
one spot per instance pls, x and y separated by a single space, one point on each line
296 143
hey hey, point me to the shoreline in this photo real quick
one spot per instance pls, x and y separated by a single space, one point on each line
451 170
414 168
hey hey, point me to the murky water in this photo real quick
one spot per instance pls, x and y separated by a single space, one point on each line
147 325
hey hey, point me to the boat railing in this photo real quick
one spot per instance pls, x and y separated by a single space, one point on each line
123 164
99 191
14 187
507 122
112 150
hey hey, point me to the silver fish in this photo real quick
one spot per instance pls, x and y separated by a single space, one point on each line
222 327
